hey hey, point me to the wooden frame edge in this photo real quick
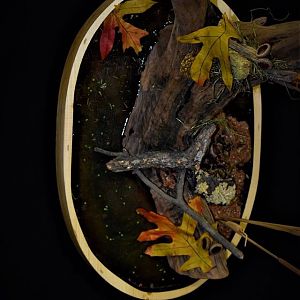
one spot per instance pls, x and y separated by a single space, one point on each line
64 133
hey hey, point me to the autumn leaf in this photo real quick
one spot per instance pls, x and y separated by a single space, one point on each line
107 37
215 41
131 35
134 7
183 240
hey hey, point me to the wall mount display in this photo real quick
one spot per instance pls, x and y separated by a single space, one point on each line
159 138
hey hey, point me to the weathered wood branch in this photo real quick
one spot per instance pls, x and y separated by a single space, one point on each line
170 159
284 38
167 95
152 124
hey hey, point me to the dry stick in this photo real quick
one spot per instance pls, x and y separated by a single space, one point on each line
160 159
236 228
109 153
294 230
180 185
279 259
200 219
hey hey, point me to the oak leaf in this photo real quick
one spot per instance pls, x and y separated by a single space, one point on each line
131 35
214 40
183 240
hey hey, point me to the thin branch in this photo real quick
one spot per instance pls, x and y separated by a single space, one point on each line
289 87
109 153
278 76
294 230
155 188
236 228
180 185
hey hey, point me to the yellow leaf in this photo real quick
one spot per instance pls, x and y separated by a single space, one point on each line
215 41
183 240
134 7
131 35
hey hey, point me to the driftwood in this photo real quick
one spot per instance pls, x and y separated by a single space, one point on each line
169 105
170 159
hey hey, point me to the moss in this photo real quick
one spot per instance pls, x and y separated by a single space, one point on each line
240 66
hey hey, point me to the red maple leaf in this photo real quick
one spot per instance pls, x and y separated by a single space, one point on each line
131 35
108 34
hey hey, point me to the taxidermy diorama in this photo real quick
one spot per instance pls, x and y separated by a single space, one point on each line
158 139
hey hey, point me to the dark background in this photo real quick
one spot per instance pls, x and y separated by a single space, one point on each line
38 258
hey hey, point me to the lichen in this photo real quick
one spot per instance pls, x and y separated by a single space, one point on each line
215 190
202 188
222 194
186 64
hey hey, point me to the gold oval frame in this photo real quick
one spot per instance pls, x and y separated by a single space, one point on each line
64 154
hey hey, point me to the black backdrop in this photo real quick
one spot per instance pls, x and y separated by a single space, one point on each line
38 259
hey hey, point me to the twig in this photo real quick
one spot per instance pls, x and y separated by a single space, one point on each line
109 153
236 228
180 185
268 9
200 219
289 87
279 259
155 188
294 230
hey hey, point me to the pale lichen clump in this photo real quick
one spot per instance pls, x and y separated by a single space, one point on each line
222 194
214 190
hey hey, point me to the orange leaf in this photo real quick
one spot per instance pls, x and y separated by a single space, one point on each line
196 204
131 35
183 240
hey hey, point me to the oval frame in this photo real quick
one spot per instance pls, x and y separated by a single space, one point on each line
64 133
